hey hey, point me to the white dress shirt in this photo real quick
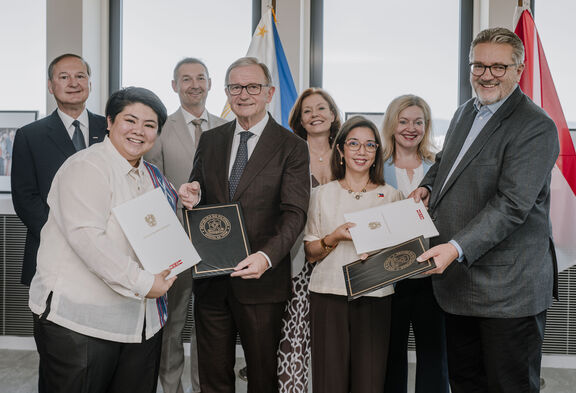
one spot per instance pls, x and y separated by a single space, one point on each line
82 119
84 259
189 117
257 130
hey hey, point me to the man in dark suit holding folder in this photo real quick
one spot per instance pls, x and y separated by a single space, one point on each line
265 167
41 147
489 194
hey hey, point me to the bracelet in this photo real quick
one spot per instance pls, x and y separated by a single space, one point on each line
325 246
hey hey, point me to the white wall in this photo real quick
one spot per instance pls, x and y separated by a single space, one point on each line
80 27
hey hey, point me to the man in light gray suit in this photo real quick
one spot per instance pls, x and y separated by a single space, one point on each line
173 153
489 195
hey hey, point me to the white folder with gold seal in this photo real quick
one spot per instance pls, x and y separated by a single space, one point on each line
155 234
390 224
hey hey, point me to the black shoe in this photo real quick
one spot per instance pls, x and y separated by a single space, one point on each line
243 374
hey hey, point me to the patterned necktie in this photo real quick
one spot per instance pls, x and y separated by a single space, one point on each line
197 130
239 162
78 137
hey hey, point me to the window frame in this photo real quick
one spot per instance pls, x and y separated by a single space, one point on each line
115 40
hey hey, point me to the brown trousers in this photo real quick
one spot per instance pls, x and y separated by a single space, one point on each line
219 317
349 343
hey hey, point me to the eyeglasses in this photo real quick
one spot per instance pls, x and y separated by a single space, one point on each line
354 145
497 70
253 89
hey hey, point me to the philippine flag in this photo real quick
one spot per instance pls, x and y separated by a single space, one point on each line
537 83
267 48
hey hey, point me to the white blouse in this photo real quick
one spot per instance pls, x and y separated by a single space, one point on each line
404 184
97 283
328 205
406 187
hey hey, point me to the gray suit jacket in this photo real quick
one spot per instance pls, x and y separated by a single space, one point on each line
496 206
173 152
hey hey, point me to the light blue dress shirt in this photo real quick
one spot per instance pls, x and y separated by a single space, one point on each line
483 115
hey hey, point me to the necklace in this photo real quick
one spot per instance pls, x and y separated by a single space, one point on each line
357 194
320 156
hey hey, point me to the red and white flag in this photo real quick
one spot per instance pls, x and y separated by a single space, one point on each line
537 83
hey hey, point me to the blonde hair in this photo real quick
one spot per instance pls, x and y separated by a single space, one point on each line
398 104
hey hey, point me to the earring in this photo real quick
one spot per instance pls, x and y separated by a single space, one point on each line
341 160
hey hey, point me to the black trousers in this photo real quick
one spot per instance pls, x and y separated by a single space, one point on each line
495 355
414 302
73 362
349 343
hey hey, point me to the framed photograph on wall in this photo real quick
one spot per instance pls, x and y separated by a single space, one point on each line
10 121
376 117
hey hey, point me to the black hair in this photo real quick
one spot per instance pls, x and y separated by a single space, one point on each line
131 95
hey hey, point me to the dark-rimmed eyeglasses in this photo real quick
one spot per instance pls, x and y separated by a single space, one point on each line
354 145
252 88
497 70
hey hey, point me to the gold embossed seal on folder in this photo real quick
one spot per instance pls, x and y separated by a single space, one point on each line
150 220
386 267
219 235
374 225
215 226
400 260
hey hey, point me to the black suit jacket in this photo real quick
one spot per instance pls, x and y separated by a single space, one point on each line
39 150
274 192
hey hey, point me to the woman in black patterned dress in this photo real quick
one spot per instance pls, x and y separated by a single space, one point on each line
316 119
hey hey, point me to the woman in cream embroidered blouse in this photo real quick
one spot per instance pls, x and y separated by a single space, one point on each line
349 339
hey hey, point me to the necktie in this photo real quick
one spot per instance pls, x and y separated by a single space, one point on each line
239 162
197 130
78 137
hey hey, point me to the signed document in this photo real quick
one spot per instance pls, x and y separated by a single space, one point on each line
390 224
218 233
155 234
385 267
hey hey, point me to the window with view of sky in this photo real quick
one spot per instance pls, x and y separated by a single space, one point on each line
156 37
378 50
554 21
23 49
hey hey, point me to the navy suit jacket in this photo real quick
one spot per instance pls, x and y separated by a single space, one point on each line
40 148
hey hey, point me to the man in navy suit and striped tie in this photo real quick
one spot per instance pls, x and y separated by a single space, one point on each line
41 147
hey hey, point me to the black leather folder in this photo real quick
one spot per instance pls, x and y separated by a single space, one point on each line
219 236
386 267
